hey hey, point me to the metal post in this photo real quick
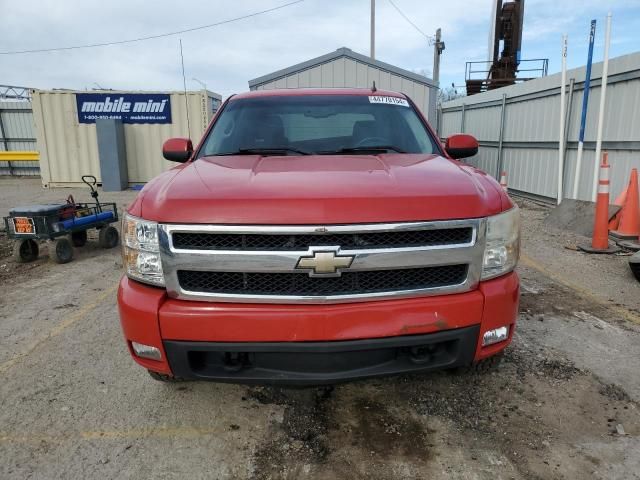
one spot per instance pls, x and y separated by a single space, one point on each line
436 57
563 84
462 120
585 103
5 142
567 126
603 94
500 162
373 29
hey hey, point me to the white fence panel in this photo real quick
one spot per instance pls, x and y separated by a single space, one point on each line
530 137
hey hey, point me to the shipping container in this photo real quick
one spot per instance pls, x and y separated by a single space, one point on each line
17 134
68 146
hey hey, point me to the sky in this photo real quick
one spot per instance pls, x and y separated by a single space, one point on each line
227 56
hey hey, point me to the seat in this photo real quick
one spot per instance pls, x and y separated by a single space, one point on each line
37 210
268 132
365 129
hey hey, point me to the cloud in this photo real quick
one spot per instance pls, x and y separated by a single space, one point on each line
226 57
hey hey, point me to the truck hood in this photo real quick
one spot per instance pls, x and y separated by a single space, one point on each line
320 189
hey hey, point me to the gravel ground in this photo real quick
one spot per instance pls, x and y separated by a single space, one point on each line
563 405
607 277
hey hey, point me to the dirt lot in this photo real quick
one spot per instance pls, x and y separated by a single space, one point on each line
563 405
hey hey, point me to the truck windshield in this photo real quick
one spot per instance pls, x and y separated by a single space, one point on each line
318 124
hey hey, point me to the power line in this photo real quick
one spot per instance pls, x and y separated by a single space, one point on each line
151 37
184 84
428 37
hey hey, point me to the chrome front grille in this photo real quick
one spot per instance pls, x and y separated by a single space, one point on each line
244 241
254 264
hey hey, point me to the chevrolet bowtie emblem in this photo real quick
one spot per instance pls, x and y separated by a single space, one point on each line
324 262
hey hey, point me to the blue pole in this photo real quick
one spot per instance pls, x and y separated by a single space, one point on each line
585 103
587 81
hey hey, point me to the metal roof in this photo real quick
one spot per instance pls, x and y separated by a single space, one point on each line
343 52
120 92
288 92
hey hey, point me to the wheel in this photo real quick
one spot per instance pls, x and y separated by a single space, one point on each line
483 366
79 239
61 250
108 237
25 250
163 377
635 269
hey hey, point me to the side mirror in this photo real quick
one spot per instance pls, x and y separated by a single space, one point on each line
461 145
177 149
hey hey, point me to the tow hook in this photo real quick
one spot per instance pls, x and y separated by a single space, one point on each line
421 354
235 361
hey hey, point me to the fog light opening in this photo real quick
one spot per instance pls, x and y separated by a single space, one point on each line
496 335
146 351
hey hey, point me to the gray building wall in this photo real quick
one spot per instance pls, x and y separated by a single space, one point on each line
530 137
347 69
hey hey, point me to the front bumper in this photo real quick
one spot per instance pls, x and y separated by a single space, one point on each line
316 363
314 344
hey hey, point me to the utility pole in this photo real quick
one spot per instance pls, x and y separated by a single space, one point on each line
438 48
561 146
373 29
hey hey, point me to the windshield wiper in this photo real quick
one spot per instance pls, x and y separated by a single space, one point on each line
373 148
266 151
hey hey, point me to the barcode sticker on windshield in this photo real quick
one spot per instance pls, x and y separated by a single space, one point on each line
390 100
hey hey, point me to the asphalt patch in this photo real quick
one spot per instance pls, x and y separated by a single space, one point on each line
300 439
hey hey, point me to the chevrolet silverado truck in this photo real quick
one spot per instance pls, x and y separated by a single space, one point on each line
316 236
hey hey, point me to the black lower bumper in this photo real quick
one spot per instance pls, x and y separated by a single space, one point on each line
317 363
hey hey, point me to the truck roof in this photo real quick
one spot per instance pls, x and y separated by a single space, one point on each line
294 92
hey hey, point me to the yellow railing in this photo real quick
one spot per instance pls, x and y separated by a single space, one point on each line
20 156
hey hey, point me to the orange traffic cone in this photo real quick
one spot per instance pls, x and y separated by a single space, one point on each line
629 225
503 180
600 239
619 202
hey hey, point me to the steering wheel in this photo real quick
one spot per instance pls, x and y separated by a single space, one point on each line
228 130
372 141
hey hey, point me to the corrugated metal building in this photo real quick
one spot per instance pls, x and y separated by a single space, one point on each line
17 134
68 148
527 145
348 69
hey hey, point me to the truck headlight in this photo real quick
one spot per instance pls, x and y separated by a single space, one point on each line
503 244
141 250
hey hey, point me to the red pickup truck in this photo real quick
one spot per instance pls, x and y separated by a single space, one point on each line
317 236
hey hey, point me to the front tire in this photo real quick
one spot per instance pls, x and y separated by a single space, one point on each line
61 250
163 377
25 250
484 366
635 269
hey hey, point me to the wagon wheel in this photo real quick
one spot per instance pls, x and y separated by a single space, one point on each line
61 250
79 239
108 237
25 250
